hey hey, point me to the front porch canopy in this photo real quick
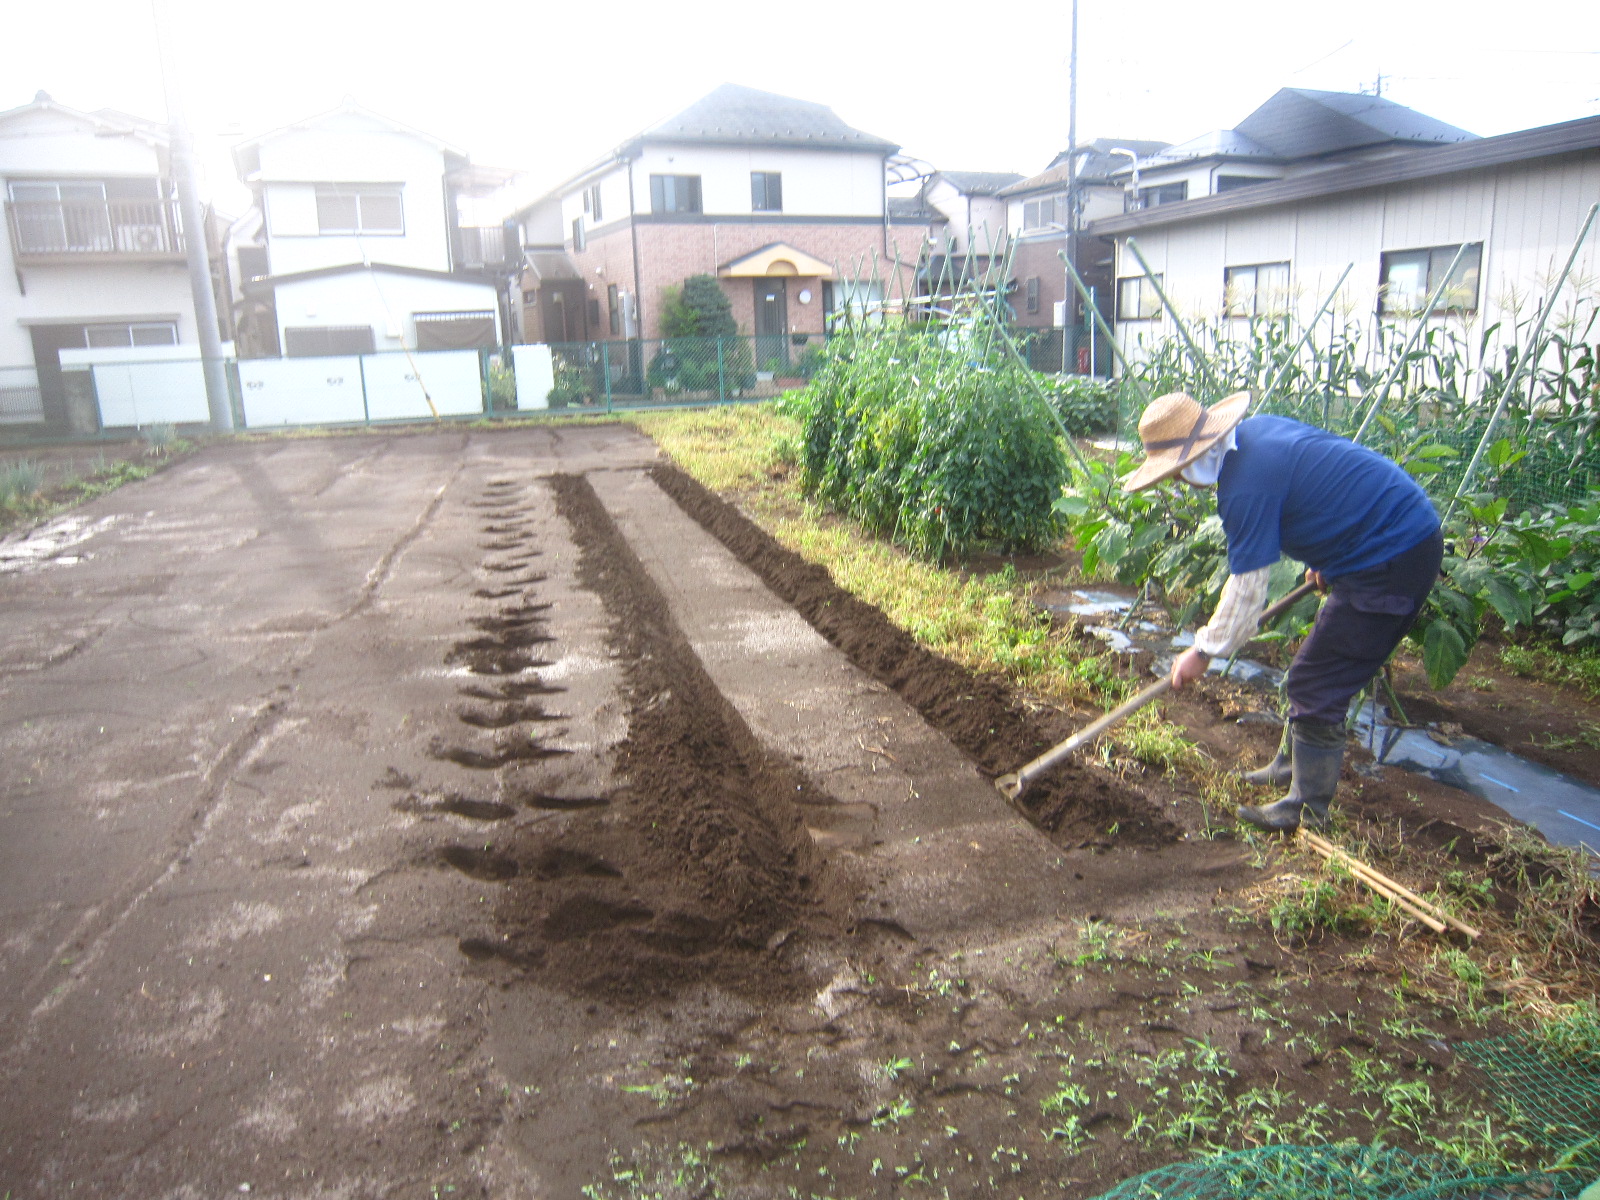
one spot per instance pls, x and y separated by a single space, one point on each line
779 258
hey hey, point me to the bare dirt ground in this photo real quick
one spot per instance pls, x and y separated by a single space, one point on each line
501 814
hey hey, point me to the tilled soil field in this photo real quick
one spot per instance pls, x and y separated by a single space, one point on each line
502 814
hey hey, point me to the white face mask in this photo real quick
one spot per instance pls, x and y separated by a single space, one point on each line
1203 471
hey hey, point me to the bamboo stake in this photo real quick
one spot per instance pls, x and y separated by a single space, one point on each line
1199 360
1388 894
1428 306
1372 876
1311 325
1530 355
1105 330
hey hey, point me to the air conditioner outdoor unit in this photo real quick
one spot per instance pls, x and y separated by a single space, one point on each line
141 239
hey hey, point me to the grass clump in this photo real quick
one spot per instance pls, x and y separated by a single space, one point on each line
1579 669
984 623
20 484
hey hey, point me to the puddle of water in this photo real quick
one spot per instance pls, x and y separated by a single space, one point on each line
46 546
1114 638
1565 810
1083 602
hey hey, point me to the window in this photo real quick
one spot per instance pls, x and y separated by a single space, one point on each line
1137 299
139 333
145 333
1032 293
1232 183
591 202
594 312
312 341
1408 277
1042 214
456 330
675 194
253 262
579 240
766 191
350 208
1255 290
1167 193
614 306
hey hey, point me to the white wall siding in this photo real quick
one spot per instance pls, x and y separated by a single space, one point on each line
840 183
46 145
78 295
1526 216
1265 241
294 243
381 299
350 148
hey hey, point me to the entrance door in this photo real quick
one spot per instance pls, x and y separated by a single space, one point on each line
48 343
772 324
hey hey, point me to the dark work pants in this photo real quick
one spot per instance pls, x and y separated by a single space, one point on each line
1360 624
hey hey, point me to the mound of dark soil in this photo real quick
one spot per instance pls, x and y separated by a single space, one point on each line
699 868
982 716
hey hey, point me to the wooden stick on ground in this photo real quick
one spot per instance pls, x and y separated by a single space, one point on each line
1388 894
1430 914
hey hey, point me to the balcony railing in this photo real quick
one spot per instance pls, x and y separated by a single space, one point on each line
482 248
106 230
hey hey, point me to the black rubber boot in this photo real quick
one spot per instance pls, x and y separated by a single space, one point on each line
1318 755
1276 773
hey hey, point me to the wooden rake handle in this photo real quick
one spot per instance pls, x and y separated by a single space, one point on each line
1013 785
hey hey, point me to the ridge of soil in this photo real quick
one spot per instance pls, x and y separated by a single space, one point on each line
981 715
699 867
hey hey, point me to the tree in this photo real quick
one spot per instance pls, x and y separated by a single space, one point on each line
702 349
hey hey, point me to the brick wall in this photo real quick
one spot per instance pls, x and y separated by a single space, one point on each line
669 253
1039 260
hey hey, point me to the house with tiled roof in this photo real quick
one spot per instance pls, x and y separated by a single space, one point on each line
357 240
779 199
1039 219
1295 131
94 257
1311 184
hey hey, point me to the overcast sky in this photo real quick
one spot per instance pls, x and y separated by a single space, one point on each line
547 88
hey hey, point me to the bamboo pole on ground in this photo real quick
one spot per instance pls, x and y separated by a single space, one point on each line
1425 911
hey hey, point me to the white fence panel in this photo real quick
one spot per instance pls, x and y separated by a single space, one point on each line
145 385
395 382
151 393
534 367
301 391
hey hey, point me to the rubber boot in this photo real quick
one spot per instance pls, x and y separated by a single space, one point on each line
1314 779
1276 773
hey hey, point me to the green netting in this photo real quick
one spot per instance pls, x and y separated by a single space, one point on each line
1340 1173
1557 1098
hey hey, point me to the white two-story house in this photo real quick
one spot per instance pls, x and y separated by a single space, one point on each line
1044 219
94 255
355 242
779 199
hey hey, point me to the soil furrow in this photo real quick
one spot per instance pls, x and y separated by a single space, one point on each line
982 716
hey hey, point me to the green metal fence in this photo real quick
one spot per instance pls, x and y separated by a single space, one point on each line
646 372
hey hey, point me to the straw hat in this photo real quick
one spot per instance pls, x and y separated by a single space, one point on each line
1176 429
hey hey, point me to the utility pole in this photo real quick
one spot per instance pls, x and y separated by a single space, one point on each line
1072 188
218 400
